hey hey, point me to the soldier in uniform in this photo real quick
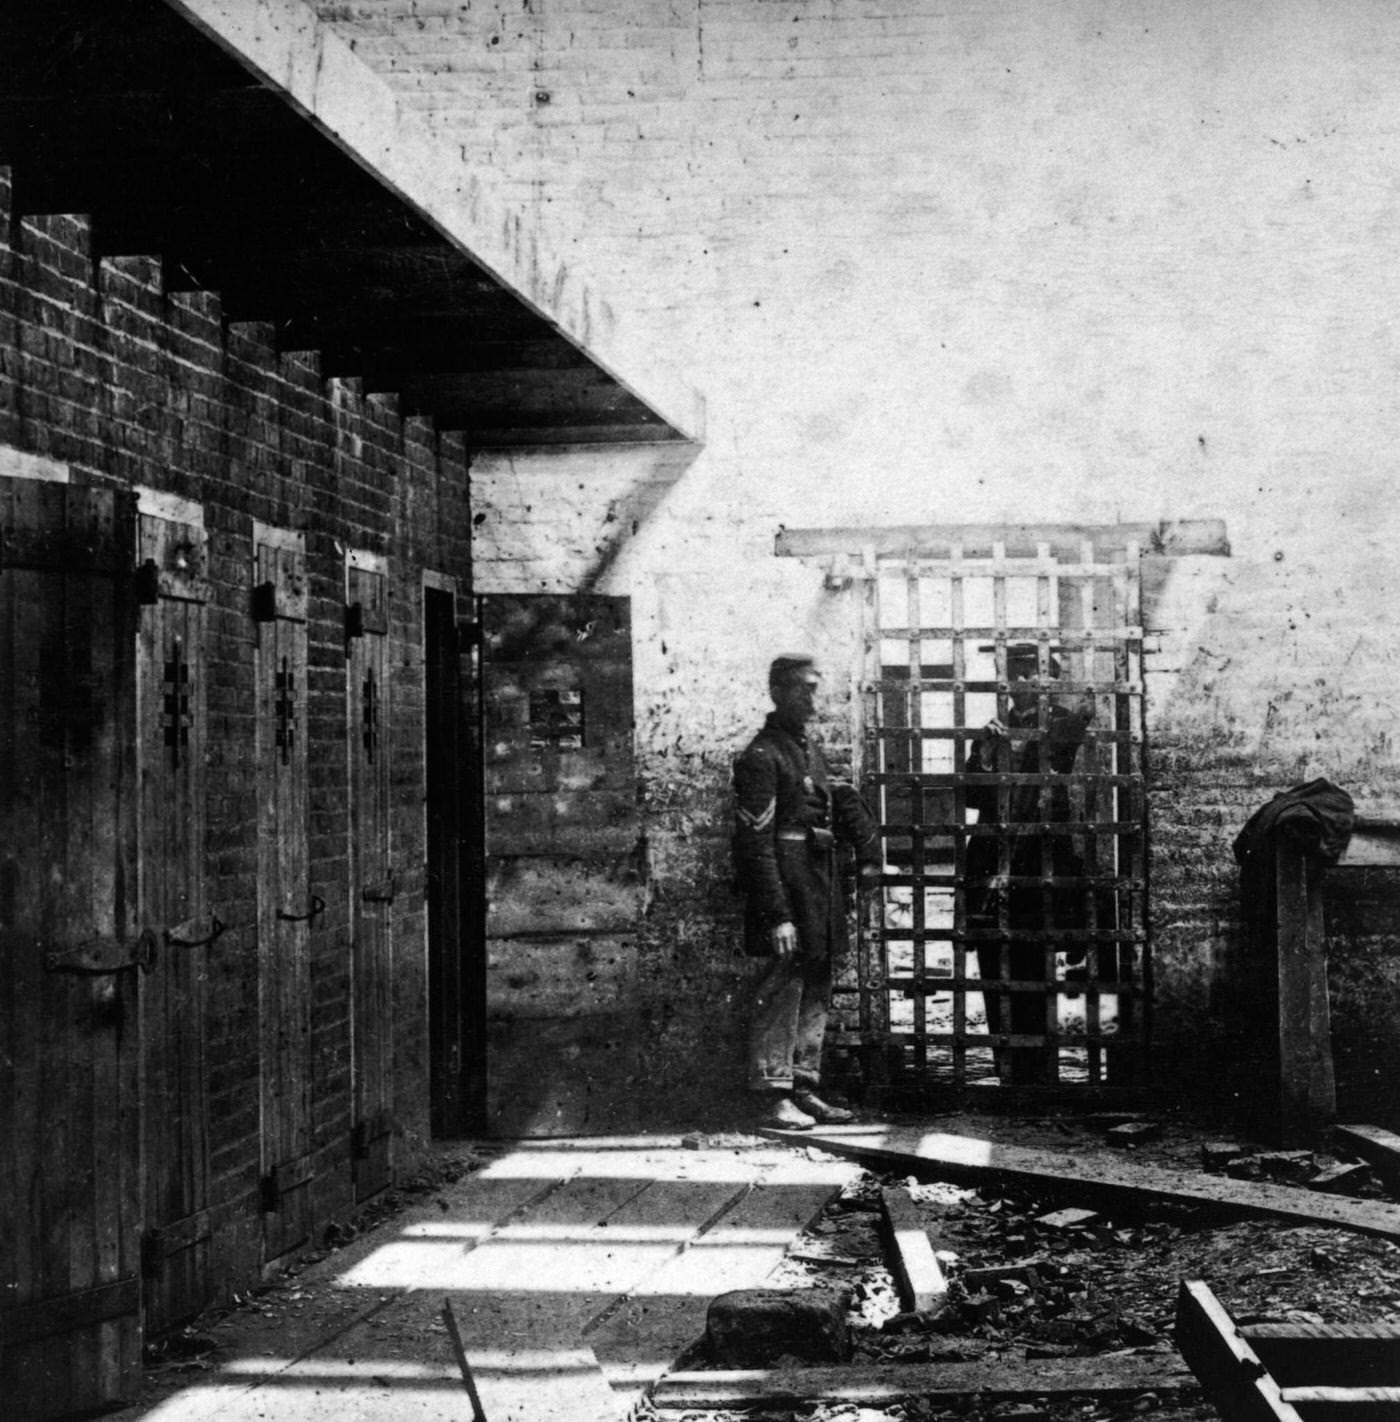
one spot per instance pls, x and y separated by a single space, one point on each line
1033 740
790 816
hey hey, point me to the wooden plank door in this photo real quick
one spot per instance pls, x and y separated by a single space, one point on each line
456 906
172 592
371 879
71 951
286 904
565 876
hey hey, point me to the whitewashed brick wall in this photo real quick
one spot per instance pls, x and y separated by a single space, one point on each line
1078 261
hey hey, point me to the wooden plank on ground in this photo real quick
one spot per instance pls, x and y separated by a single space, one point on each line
664 1313
1098 1178
875 1385
917 1273
1231 1372
1377 1147
1298 1354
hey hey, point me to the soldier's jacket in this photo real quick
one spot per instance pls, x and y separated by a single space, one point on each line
790 814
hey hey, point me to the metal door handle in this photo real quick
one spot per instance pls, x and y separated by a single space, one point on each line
318 906
177 937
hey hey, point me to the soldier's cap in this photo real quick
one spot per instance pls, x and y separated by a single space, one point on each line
792 666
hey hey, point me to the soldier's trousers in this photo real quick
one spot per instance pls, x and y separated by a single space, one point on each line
790 1003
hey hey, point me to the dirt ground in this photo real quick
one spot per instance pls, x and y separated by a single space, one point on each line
1096 1288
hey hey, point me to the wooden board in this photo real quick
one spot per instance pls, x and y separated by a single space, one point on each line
455 873
1298 1354
1378 1147
1232 1375
917 1273
171 703
876 1385
70 1208
372 886
1096 1179
285 895
1307 1099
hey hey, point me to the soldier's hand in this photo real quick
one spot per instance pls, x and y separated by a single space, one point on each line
784 939
995 729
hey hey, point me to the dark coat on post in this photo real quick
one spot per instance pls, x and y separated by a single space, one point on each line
790 816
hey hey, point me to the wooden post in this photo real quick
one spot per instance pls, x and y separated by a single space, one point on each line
1307 1098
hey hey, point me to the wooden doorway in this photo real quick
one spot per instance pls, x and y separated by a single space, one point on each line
372 886
456 902
172 592
73 954
286 903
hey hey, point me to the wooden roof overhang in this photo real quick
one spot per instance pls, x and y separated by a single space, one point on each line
165 127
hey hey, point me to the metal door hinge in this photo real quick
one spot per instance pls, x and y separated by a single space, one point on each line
104 955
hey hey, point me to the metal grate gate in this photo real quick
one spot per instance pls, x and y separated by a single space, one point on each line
1008 946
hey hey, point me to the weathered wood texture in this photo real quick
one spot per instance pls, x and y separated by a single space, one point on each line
455 855
879 1385
372 886
172 675
1307 1088
1169 537
285 901
917 1272
562 842
1375 1145
70 1192
1101 1180
1298 1354
1232 1374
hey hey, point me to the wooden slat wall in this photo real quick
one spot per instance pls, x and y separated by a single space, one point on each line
285 894
69 1065
371 887
171 699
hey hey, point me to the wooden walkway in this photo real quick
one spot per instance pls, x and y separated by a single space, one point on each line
577 1272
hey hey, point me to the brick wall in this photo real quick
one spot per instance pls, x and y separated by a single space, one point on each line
101 371
1068 263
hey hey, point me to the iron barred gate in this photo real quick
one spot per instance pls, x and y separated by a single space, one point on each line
1008 946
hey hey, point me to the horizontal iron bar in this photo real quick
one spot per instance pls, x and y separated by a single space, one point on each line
1070 937
1056 639
1060 987
948 683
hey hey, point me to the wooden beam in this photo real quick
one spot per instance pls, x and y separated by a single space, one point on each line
1307 1091
1379 1148
917 1272
1234 1378
1172 539
1298 1354
1101 1180
873 1385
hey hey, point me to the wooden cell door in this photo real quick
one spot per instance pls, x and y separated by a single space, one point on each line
172 592
372 886
286 904
73 957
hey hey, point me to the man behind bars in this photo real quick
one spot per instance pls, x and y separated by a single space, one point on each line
790 816
1014 897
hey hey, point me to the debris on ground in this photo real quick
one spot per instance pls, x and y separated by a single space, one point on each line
1031 1278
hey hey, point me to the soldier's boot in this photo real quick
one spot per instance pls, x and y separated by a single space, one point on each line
785 1115
807 1100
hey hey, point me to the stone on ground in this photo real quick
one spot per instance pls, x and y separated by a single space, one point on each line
753 1328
